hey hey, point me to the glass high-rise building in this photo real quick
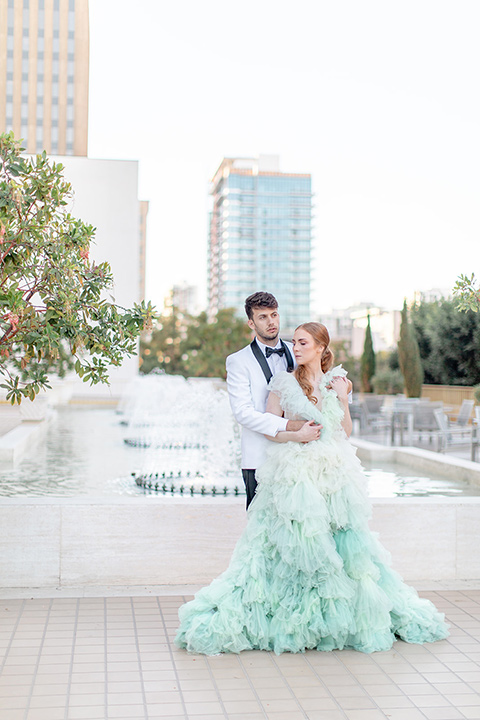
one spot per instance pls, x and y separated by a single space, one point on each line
260 237
44 65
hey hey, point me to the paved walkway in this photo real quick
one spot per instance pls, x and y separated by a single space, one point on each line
105 658
113 657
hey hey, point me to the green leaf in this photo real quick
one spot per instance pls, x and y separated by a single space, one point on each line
45 256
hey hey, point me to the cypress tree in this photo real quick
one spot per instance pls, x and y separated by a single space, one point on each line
367 363
409 357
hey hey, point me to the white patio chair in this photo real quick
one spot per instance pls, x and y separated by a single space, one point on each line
374 417
449 437
464 414
424 421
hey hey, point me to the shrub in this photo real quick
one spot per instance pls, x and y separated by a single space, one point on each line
388 382
367 363
409 357
476 394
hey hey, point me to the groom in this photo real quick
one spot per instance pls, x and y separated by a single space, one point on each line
248 373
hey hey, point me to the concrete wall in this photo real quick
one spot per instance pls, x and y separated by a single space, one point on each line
52 542
106 196
422 461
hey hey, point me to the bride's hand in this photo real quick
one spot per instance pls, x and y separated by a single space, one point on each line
342 387
308 432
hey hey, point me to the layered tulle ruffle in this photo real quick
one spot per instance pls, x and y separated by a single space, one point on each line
307 573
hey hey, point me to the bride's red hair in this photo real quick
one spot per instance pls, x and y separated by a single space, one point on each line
320 336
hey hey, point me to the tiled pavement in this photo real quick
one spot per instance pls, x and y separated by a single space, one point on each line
113 657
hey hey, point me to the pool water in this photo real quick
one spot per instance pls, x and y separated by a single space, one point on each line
83 453
95 452
395 480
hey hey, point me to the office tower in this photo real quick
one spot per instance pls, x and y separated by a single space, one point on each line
44 58
260 237
184 298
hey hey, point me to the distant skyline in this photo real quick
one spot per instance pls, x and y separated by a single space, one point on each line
378 101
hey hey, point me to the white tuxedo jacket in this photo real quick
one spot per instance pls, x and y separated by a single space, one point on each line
248 393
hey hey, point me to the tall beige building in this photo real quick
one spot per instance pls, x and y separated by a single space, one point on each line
44 57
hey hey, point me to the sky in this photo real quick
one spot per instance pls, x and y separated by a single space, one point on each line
378 100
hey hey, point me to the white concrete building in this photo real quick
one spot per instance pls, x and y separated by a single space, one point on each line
106 196
349 324
385 327
184 297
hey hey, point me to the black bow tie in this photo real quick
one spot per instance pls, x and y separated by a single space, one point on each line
279 351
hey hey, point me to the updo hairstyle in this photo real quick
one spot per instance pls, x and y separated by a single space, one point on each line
320 336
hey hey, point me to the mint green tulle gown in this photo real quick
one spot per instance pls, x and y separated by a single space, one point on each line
307 573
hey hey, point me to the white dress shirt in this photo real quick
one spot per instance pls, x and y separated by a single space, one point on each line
275 362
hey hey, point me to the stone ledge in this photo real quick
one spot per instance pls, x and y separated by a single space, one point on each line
15 443
82 542
105 591
426 461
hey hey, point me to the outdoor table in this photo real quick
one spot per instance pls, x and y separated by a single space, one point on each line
403 413
400 414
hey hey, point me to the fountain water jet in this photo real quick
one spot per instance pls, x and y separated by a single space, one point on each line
188 434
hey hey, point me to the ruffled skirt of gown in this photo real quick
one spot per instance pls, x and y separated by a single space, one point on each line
307 573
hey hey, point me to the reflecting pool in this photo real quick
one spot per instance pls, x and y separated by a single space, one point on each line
169 435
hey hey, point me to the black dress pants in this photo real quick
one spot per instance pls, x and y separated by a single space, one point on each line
250 484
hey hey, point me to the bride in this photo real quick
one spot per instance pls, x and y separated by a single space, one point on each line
307 573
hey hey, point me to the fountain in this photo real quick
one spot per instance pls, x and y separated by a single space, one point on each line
189 438
147 494
175 436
